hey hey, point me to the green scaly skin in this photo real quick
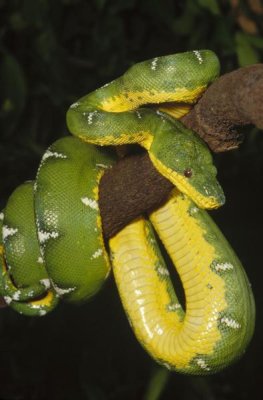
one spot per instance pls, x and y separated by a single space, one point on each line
98 118
52 238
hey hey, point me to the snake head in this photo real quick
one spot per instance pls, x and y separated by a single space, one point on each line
183 158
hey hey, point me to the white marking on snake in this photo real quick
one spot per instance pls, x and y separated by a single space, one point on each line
8 299
161 115
54 154
45 282
74 105
52 217
174 307
40 260
158 330
43 236
166 365
36 306
223 266
16 295
42 312
210 325
163 271
145 324
90 203
107 274
7 231
102 166
198 56
106 84
138 114
202 364
61 291
206 190
154 63
230 322
90 117
97 254
171 68
1 216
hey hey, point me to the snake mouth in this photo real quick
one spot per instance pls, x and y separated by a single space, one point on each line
202 201
208 200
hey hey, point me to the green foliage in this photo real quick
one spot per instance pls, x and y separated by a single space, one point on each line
210 5
13 90
247 49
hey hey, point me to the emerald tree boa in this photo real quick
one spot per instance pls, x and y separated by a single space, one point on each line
51 236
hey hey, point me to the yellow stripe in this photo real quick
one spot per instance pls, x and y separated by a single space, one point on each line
204 290
45 301
176 111
124 138
132 100
144 295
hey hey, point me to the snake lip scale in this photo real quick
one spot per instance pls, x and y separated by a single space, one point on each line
51 239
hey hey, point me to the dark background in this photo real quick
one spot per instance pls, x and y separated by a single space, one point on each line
51 53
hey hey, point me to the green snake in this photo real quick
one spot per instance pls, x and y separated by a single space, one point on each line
52 243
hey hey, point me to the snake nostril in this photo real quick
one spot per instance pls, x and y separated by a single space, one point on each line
188 172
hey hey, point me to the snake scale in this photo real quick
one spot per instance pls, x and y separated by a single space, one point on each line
52 243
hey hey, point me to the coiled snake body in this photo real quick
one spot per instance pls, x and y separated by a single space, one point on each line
52 241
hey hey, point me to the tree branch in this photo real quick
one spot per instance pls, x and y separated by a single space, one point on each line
133 186
235 99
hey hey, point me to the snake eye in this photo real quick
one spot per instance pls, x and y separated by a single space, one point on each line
188 172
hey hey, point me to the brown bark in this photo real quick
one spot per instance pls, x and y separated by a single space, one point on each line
234 100
133 186
130 188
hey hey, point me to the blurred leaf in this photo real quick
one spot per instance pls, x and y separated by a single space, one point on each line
35 12
45 44
17 22
157 384
185 23
245 52
256 41
92 393
100 3
210 5
13 91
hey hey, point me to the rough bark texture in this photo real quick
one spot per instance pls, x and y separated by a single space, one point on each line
133 186
235 99
130 188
